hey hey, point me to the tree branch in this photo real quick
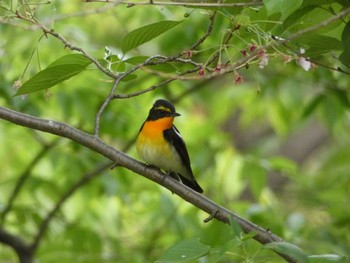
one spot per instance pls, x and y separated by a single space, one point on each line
22 249
153 87
178 3
123 160
207 34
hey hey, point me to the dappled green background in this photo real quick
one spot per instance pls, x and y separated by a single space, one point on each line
274 149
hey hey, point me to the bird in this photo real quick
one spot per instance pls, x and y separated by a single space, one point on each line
159 143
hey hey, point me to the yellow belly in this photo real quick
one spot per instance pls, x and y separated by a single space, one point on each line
156 151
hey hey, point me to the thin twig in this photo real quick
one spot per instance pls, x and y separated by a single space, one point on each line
164 59
84 13
227 39
295 52
114 87
82 51
194 88
67 44
185 4
103 107
207 34
176 58
137 93
153 87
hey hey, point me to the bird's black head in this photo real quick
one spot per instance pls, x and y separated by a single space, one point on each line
161 109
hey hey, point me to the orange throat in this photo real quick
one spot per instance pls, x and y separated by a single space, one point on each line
153 128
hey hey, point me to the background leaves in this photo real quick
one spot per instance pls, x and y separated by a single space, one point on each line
273 148
184 251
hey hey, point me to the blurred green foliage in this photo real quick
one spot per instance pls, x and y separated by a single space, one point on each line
274 149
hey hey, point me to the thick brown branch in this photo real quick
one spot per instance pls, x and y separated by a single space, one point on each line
123 160
23 251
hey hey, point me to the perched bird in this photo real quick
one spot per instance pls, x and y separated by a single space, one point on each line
159 143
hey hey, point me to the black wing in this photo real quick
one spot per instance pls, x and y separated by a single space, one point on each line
173 136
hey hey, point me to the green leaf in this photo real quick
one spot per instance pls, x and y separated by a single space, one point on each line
318 2
256 176
136 60
117 67
283 164
319 44
248 236
112 58
71 59
295 16
279 116
342 96
57 72
309 16
235 227
290 250
312 105
327 258
129 77
345 55
184 251
285 7
166 67
144 34
220 251
345 36
332 110
242 19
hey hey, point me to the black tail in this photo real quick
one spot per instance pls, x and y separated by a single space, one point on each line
191 184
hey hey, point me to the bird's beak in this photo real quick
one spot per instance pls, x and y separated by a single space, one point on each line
176 114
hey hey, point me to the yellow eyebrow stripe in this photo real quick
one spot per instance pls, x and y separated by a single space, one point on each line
163 108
